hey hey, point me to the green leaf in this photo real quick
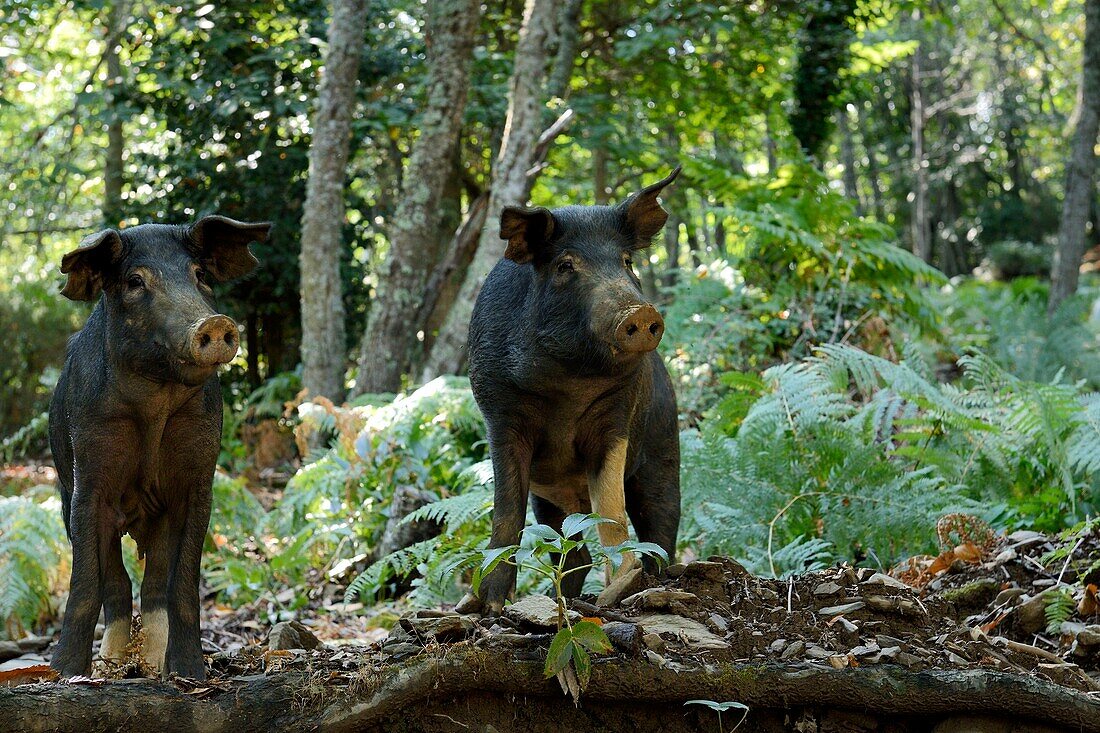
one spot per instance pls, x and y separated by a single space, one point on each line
576 524
591 636
582 665
561 651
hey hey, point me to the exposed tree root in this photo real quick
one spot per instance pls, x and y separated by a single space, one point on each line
468 688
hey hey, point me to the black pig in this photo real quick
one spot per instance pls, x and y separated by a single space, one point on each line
135 428
579 406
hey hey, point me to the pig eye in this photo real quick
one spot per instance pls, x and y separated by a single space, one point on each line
200 275
135 281
565 266
628 261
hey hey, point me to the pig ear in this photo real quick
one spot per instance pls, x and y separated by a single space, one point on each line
527 232
87 265
221 244
643 214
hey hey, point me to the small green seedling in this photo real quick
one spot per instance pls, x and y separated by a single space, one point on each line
721 707
543 550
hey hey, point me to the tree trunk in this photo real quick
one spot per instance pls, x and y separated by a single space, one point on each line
922 236
848 158
323 331
117 19
1080 168
562 73
466 687
510 182
388 342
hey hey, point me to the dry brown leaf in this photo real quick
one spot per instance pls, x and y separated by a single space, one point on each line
28 675
1089 604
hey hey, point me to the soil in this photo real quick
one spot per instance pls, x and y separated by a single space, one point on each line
957 642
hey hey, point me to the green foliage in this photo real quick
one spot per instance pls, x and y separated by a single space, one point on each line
721 707
846 454
1058 606
1008 323
1011 259
33 554
544 551
805 270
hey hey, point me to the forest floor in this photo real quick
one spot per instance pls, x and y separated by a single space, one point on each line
968 640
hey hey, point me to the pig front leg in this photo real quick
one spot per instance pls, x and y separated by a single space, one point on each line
608 496
184 653
90 532
511 470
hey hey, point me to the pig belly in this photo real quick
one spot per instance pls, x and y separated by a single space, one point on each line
568 493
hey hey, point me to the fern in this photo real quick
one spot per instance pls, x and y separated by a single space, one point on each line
33 553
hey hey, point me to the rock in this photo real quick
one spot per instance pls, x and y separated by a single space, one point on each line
813 651
847 626
1031 614
827 589
767 593
957 660
1008 595
291 635
655 659
883 579
718 623
9 650
777 646
27 660
908 660
675 570
864 650
973 595
896 605
692 632
838 661
654 642
842 608
706 570
401 651
1023 537
731 566
537 610
626 637
885 640
658 598
450 627
793 649
1089 636
620 587
34 643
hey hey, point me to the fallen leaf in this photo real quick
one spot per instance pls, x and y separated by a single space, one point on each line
1089 604
28 675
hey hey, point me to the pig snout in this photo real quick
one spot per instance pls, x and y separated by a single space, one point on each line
640 329
213 340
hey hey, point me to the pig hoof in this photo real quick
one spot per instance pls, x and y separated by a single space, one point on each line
470 604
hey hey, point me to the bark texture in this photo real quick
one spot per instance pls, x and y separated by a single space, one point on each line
1080 169
433 690
390 335
920 224
117 19
510 181
323 330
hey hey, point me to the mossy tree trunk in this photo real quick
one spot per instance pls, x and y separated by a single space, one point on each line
323 334
510 181
390 334
1080 168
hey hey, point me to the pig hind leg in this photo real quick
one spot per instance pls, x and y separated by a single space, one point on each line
549 514
653 503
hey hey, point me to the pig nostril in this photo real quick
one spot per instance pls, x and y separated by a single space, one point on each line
631 329
204 341
229 337
653 328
